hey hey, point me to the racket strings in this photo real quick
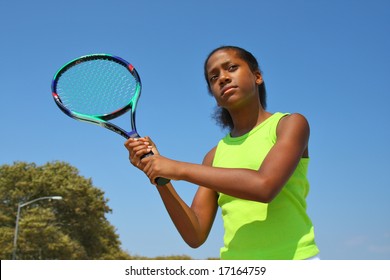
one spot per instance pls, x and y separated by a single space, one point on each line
96 87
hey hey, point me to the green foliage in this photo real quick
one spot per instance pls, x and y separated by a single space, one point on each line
72 228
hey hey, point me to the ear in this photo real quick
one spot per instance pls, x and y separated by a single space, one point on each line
259 77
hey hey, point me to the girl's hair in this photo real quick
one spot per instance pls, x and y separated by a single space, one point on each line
221 115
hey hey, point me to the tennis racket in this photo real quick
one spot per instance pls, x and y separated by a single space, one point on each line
97 88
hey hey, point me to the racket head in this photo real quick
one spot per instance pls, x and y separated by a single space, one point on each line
97 88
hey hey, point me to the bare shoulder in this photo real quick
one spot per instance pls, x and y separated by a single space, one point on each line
294 131
293 122
209 157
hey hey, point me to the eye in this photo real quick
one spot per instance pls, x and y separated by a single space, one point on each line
212 78
232 67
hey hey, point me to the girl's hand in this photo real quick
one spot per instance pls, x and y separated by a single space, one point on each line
138 147
158 166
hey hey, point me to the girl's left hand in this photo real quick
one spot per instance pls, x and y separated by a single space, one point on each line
159 166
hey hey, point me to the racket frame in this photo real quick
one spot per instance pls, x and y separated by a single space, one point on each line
102 120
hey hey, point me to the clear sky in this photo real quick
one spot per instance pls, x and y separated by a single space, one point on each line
329 60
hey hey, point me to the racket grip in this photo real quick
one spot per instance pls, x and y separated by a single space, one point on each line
159 180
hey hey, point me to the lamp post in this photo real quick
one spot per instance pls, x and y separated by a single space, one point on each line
18 216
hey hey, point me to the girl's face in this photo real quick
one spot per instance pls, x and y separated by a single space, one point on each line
231 81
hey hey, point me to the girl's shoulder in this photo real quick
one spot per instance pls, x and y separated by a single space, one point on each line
294 121
293 128
209 157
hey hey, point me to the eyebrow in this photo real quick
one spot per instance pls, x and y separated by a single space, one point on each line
224 64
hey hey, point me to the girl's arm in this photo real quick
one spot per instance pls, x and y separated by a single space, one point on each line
261 185
193 223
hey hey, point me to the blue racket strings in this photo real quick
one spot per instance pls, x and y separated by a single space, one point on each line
96 87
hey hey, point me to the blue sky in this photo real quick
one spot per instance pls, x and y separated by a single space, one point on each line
328 60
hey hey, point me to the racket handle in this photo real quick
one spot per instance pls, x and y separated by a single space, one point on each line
159 180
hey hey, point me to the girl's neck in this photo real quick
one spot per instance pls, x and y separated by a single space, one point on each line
246 120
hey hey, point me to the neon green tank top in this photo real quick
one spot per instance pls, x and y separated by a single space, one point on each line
280 229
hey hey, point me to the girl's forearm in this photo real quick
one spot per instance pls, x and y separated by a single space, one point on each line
183 217
241 183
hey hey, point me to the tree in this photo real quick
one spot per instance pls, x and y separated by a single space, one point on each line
72 228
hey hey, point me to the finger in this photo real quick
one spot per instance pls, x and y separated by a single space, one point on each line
134 147
150 169
130 144
136 153
153 145
143 151
152 178
131 140
134 142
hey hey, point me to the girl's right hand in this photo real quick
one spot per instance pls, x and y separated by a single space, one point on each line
138 147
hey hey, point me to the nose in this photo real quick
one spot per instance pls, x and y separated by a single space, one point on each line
224 78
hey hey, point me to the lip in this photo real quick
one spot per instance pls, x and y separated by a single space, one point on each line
227 89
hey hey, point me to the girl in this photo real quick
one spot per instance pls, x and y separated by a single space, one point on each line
256 173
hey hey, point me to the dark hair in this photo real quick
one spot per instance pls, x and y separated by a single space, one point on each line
221 115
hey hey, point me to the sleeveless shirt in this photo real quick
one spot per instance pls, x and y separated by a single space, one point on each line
280 229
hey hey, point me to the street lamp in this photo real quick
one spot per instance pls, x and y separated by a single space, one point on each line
18 216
